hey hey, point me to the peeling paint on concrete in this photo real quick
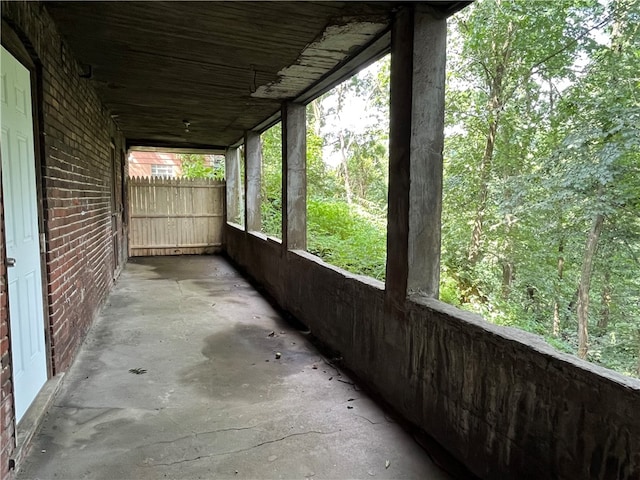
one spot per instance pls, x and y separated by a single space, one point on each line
320 57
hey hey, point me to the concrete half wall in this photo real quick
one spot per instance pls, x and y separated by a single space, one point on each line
502 401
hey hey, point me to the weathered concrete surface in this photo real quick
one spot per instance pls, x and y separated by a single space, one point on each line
234 185
502 401
252 175
214 401
416 139
334 45
294 171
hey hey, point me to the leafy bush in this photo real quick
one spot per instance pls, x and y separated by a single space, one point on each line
342 235
195 166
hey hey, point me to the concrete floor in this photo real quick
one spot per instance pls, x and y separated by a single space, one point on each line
211 400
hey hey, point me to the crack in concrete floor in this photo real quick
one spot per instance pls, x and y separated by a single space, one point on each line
267 442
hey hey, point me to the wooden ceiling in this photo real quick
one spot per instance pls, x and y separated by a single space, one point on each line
222 66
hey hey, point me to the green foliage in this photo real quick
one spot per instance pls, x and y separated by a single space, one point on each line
558 81
346 237
196 166
271 184
346 202
348 234
449 290
320 181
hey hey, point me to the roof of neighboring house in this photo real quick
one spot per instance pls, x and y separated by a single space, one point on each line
153 158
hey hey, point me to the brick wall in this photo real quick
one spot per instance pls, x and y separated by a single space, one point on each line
77 177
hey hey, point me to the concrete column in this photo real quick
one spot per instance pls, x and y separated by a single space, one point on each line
234 184
418 62
294 175
253 159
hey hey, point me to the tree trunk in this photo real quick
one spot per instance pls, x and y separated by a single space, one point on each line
605 311
638 353
344 147
485 175
556 303
317 117
495 81
585 284
508 268
507 278
344 164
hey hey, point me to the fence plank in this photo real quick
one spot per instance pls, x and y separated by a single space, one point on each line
175 216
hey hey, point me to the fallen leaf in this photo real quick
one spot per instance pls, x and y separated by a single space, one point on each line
271 334
387 464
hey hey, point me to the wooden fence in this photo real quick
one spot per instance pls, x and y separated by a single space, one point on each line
175 216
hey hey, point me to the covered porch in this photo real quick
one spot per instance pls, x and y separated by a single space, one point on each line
176 361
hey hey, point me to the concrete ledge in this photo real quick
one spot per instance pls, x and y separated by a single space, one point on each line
268 239
257 234
372 282
526 340
32 420
237 226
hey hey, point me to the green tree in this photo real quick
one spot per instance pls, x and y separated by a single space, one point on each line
271 181
197 166
542 115
601 156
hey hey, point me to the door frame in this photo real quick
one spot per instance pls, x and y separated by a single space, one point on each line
20 47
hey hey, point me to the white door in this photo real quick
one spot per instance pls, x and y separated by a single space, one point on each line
21 229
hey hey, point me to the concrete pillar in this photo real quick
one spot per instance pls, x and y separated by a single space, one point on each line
253 159
234 184
416 137
294 174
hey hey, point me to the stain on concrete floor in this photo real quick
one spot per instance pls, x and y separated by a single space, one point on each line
213 402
